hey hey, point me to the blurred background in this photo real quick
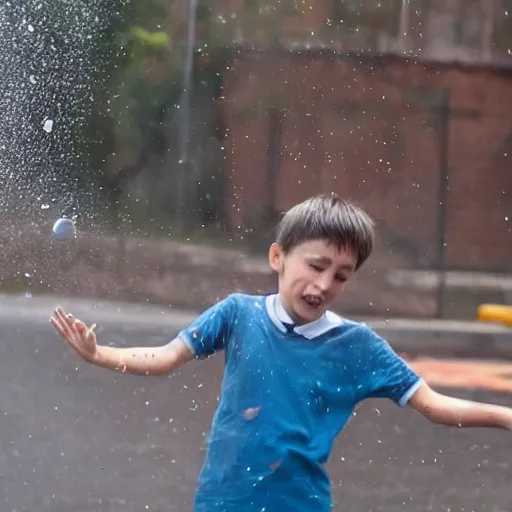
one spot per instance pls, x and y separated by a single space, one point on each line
176 132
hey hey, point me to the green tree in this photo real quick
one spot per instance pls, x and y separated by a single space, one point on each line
138 77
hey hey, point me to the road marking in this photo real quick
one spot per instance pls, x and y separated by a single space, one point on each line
493 376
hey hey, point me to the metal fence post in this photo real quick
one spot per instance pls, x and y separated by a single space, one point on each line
444 117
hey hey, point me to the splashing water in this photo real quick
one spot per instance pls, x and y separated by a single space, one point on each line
46 92
48 126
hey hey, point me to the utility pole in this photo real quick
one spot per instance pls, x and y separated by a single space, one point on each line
489 8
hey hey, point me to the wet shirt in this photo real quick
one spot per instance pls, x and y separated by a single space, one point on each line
286 394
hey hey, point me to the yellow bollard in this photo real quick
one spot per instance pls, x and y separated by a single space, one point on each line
495 313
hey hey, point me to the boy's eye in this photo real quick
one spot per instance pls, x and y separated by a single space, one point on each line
341 279
316 267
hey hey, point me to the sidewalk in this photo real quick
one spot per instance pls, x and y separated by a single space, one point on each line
432 338
162 271
446 338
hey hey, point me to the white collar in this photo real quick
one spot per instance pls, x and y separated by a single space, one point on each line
278 315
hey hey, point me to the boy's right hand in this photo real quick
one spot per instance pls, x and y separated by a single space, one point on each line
76 333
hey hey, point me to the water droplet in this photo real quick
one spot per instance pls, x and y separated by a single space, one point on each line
63 229
48 126
251 413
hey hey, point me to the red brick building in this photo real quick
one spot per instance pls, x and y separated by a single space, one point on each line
372 129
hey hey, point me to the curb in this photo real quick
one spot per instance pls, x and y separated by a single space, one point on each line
468 340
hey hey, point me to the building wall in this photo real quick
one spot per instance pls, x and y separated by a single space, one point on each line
476 31
369 129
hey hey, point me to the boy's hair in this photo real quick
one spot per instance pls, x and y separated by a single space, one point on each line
329 217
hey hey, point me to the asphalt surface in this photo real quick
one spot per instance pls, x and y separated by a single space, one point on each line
78 438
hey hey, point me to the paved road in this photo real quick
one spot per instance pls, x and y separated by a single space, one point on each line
75 438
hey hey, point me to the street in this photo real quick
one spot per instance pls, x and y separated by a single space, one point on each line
79 438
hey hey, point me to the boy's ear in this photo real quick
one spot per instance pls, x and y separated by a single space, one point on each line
275 257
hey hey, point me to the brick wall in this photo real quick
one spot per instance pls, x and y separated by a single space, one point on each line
365 128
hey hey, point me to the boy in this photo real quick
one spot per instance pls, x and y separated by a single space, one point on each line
294 371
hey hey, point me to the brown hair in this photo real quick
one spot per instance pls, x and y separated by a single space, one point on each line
329 217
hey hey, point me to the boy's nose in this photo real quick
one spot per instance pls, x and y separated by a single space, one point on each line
324 282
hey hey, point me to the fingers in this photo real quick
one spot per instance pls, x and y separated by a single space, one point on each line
90 339
61 317
81 327
62 324
58 327
91 335
68 328
66 319
74 332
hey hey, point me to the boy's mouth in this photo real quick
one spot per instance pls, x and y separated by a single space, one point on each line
313 301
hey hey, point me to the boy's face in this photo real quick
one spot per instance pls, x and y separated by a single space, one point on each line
311 277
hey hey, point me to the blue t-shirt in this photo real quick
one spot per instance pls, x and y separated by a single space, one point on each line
284 398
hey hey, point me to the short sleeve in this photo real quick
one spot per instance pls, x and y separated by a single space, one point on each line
386 374
210 331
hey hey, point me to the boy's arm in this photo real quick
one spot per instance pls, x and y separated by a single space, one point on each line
450 411
144 360
139 360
